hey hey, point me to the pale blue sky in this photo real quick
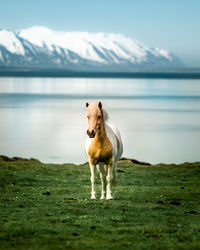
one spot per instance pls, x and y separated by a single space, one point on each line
169 24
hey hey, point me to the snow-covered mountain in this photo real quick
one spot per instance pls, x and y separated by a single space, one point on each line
40 47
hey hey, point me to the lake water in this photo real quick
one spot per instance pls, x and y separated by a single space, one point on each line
44 118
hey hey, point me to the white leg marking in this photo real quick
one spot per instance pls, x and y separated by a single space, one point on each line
110 182
103 181
93 177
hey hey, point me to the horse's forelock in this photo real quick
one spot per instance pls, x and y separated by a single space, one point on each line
95 106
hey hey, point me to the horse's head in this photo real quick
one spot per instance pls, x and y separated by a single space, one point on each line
95 118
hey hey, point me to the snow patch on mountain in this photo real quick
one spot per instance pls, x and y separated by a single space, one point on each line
164 53
9 40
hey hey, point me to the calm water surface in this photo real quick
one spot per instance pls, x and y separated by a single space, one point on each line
45 118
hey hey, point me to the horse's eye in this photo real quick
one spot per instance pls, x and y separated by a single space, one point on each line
98 116
88 116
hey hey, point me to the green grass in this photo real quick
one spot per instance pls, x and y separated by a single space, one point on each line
46 206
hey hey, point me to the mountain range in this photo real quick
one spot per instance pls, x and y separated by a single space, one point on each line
42 48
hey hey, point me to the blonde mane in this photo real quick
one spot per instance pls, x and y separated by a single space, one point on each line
105 115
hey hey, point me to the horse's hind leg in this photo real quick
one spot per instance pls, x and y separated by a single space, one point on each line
110 170
93 177
103 181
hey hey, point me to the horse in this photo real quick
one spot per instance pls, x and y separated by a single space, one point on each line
103 147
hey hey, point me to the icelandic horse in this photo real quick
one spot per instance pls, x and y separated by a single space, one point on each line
103 147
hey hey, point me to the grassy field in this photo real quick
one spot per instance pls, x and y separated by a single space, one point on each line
48 206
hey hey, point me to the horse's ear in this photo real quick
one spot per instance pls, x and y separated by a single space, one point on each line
100 105
87 104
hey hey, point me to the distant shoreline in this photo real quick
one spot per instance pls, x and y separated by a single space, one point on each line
5 158
61 73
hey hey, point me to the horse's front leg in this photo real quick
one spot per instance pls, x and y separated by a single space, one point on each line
93 178
103 181
110 173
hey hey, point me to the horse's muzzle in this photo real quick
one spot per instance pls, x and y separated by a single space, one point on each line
91 134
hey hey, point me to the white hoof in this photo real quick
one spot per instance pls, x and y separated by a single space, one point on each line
93 196
109 197
103 195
